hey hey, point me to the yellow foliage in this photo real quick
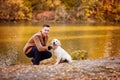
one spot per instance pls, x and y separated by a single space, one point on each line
79 54
84 0
71 9
57 2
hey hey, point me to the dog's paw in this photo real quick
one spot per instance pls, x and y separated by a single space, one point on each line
56 63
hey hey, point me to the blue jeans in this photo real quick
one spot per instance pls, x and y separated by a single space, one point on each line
38 56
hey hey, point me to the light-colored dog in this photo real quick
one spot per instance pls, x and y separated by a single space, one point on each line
61 54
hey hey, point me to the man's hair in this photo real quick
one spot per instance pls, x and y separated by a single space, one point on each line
46 25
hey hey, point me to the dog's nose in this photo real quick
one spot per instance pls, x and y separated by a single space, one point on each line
53 42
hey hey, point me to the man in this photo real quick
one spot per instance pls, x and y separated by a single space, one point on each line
36 47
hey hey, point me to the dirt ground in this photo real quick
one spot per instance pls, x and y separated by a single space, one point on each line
98 69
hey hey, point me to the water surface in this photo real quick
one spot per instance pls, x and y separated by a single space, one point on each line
98 41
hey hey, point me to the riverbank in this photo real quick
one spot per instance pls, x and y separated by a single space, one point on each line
99 69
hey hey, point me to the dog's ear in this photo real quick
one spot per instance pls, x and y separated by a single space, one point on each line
59 43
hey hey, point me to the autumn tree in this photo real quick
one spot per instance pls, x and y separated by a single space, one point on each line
14 10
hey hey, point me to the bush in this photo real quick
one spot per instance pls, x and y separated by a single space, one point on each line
79 55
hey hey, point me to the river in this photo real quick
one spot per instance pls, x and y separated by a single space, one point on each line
98 41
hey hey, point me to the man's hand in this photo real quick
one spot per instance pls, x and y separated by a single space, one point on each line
49 47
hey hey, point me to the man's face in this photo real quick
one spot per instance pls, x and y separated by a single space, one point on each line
45 31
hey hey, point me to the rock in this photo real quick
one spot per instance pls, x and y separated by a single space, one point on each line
99 69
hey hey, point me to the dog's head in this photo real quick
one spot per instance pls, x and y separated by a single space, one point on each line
56 42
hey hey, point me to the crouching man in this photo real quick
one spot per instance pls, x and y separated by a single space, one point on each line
36 47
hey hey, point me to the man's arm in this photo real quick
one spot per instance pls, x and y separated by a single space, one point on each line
38 44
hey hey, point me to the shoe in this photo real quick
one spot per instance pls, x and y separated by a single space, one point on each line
32 60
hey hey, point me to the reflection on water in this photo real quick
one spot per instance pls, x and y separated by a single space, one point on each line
98 41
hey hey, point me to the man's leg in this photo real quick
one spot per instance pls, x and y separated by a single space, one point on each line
45 55
39 56
36 59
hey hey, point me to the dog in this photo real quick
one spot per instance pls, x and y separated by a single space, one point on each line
60 53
